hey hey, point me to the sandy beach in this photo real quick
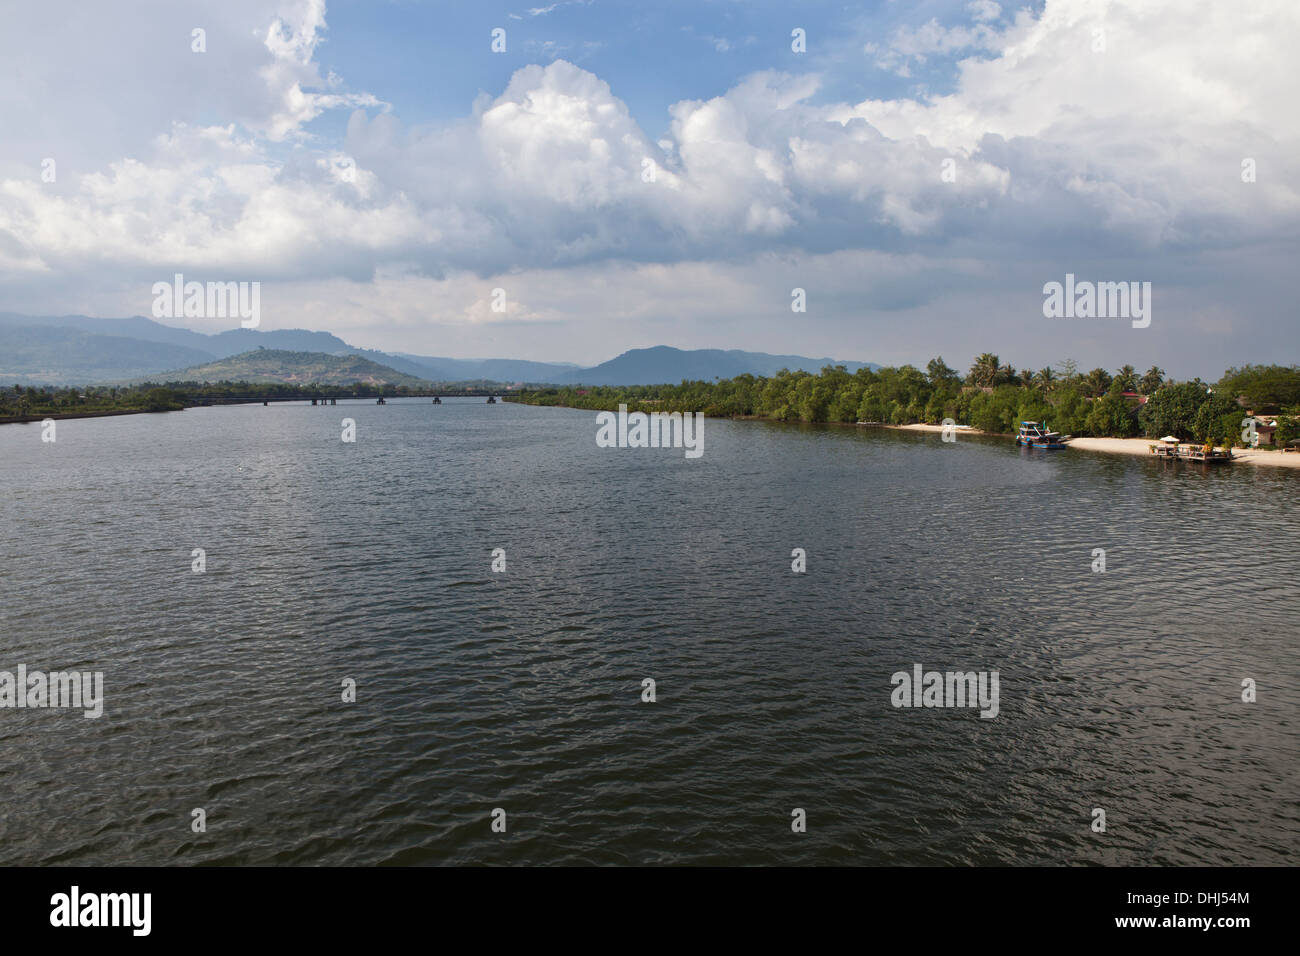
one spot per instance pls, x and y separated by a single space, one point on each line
1142 446
1134 446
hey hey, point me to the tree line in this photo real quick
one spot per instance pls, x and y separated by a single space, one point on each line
992 396
27 401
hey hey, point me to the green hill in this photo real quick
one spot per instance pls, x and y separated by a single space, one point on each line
294 368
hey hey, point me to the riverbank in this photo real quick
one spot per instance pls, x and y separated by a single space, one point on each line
1142 446
1110 446
203 400
60 416
1130 446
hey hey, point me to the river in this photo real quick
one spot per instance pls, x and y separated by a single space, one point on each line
371 561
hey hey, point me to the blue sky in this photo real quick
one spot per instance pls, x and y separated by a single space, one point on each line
667 173
427 57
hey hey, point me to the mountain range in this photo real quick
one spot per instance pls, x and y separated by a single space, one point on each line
80 350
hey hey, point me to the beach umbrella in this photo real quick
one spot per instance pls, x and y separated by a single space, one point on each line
1169 438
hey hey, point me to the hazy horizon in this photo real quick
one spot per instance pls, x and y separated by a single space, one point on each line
960 365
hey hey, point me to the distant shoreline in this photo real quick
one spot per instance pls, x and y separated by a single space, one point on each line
1128 446
60 416
230 402
1111 446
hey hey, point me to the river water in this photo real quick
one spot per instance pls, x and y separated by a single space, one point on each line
371 561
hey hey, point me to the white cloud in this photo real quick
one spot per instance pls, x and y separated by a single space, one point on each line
550 171
1058 150
292 43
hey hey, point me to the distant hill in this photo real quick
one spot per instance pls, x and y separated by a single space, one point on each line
77 349
663 365
238 341
497 370
33 350
136 327
294 368
34 355
214 346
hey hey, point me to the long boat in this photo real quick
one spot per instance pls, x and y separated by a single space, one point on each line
1038 435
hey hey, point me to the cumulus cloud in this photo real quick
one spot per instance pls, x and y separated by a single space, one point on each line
1045 146
291 41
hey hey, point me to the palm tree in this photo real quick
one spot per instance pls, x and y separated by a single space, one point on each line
1127 378
985 370
1152 380
1097 382
1046 379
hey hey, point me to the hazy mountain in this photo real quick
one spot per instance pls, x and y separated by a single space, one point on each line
216 345
665 365
295 368
497 370
136 327
35 355
77 349
44 350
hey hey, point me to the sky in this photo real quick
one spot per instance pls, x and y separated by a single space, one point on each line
636 174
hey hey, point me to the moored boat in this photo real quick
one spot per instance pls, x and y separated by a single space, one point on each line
1038 435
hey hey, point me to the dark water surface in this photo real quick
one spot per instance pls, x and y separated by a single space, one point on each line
372 561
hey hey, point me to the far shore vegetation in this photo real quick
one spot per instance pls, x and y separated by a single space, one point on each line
991 397
30 403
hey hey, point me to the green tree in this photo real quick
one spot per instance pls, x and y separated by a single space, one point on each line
1071 410
1112 416
939 374
1096 382
1127 378
1152 380
1288 429
1219 419
1263 385
984 373
1172 410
